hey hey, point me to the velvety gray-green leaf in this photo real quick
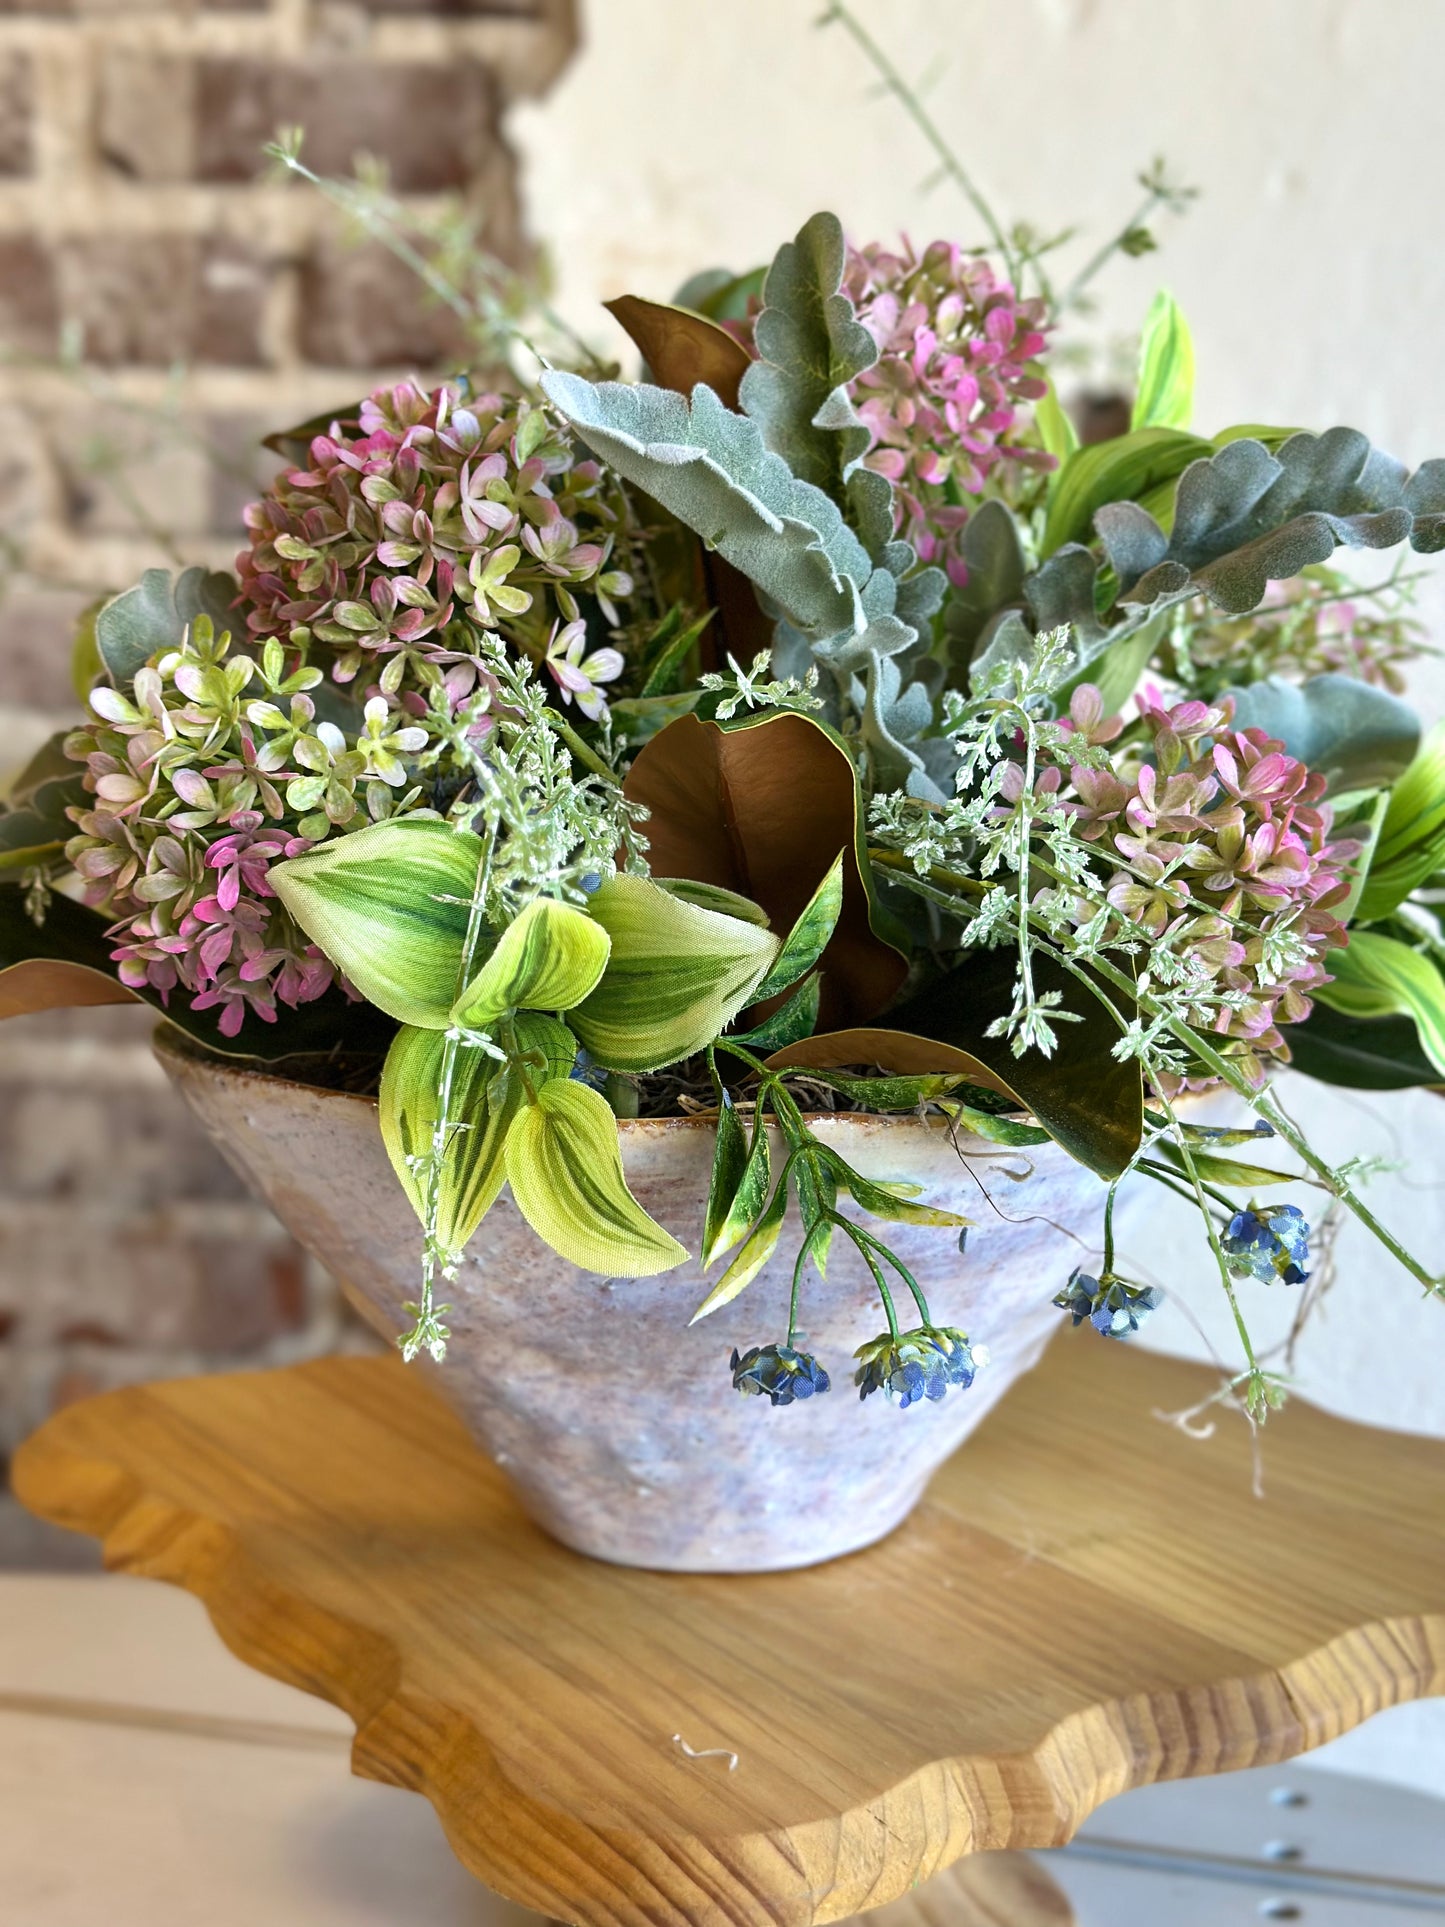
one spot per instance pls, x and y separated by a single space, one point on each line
715 473
810 345
155 614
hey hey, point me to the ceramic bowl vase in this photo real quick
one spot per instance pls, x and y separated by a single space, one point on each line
618 1424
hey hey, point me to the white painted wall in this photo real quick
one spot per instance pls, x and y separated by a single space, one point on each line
698 132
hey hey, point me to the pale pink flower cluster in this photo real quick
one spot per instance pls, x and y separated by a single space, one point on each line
426 506
1226 852
946 401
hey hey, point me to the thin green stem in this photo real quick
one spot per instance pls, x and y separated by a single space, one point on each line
950 166
1109 1228
877 1245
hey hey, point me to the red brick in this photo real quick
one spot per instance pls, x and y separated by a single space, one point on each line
16 113
29 309
362 308
433 126
159 299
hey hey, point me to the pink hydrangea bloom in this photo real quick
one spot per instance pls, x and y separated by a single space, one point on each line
1226 852
945 401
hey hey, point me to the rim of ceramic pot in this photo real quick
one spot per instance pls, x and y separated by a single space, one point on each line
168 1041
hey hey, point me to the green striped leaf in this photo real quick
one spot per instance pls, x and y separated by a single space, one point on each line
761 1244
389 906
1377 976
485 1096
808 938
1411 843
1121 470
677 976
1056 430
548 958
565 1170
1165 392
712 896
746 1200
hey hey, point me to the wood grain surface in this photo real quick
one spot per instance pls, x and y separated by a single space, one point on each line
1088 1599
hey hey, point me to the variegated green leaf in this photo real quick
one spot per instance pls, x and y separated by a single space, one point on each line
1164 397
389 906
997 1130
808 937
729 1161
484 1098
746 1199
888 1093
1378 976
789 1023
762 1243
890 1201
565 1170
1115 471
676 978
548 958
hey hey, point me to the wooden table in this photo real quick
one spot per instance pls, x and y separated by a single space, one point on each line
1088 1600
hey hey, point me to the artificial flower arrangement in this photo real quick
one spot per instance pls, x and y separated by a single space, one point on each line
813 705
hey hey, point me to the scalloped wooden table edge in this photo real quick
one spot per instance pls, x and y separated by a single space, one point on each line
1195 1628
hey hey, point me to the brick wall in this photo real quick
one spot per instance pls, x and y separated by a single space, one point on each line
162 303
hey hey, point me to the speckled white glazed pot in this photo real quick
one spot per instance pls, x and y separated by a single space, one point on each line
618 1424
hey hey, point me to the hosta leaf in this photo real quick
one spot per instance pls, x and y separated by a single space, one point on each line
720 294
762 808
1378 976
389 906
761 1244
810 345
485 1097
1357 737
795 1019
1164 396
1360 1053
155 614
809 936
713 471
565 1170
682 348
741 1207
677 975
548 958
711 896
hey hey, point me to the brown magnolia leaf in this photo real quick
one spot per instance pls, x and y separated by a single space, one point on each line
763 807
46 983
682 348
901 1051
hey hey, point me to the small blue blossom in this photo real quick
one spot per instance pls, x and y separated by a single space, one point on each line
1269 1244
918 1364
1112 1307
779 1373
